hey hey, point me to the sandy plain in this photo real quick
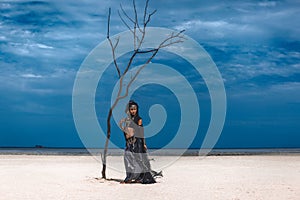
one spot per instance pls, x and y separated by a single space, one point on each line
62 177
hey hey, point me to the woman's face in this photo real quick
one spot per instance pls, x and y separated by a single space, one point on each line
133 110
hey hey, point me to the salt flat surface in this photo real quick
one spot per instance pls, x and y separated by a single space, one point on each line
189 177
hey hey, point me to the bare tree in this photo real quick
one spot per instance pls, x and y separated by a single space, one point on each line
138 30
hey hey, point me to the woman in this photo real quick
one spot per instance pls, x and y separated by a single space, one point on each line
137 165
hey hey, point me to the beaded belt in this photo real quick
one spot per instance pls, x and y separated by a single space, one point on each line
131 140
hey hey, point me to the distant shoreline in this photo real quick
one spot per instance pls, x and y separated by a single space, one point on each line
152 152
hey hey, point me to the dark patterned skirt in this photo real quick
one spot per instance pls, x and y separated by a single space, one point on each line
137 164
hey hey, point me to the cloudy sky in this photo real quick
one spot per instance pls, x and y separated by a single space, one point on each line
254 44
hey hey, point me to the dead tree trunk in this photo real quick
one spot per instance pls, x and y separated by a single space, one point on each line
138 31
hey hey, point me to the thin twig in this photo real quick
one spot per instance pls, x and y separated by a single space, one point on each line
145 11
149 17
113 47
135 14
108 22
168 41
126 14
124 22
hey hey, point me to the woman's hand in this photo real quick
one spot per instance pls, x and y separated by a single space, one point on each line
121 124
122 121
145 146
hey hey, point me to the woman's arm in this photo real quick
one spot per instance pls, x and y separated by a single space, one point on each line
140 122
121 122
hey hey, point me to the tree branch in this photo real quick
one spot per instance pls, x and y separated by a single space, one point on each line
113 47
154 51
108 22
124 22
149 17
168 41
135 22
135 15
137 73
126 14
145 11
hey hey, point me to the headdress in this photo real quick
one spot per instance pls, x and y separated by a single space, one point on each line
132 104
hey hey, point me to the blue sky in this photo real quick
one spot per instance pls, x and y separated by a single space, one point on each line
255 45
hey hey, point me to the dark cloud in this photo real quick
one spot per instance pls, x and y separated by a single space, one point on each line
255 45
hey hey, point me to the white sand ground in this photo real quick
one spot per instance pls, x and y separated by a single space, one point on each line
213 177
